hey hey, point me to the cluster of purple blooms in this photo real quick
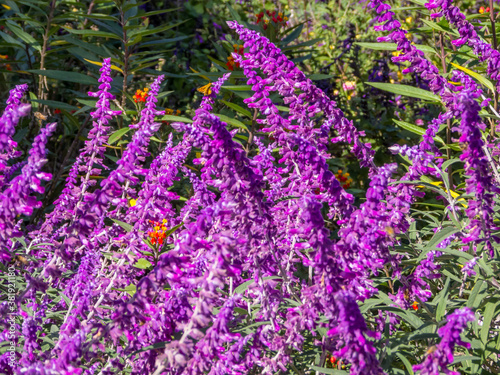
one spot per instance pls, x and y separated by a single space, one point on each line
186 312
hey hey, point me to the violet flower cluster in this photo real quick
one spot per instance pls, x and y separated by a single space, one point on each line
442 354
237 249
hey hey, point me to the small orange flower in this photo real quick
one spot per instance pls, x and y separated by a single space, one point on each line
344 179
415 306
158 233
141 95
169 111
239 49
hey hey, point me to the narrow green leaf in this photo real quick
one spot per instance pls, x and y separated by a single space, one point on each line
238 87
240 289
333 371
485 81
66 299
23 35
404 90
391 47
125 226
169 232
231 121
66 76
55 104
293 35
443 295
489 312
317 76
173 118
479 290
406 362
117 135
153 13
88 32
237 108
156 30
440 236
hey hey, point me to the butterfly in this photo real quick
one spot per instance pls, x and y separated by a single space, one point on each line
205 90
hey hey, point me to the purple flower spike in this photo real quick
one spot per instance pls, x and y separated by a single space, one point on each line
442 354
68 205
16 199
10 117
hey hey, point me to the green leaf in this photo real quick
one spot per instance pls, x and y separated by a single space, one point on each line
407 363
443 295
152 13
410 127
156 345
173 229
9 39
391 47
323 370
405 90
88 32
317 76
55 104
125 226
130 289
231 121
489 312
117 135
238 87
173 118
66 76
95 16
293 35
66 299
164 41
483 80
240 289
24 36
480 289
237 108
440 236
143 264
156 30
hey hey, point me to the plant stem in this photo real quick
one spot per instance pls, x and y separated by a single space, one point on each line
448 122
42 79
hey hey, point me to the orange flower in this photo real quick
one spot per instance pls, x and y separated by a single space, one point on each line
141 95
344 179
158 233
415 305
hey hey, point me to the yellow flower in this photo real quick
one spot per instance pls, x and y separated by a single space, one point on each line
409 19
132 202
396 53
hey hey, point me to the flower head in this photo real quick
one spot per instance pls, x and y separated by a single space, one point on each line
140 96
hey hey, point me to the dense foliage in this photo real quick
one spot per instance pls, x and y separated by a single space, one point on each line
216 187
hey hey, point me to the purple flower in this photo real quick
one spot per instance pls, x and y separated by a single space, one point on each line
442 354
